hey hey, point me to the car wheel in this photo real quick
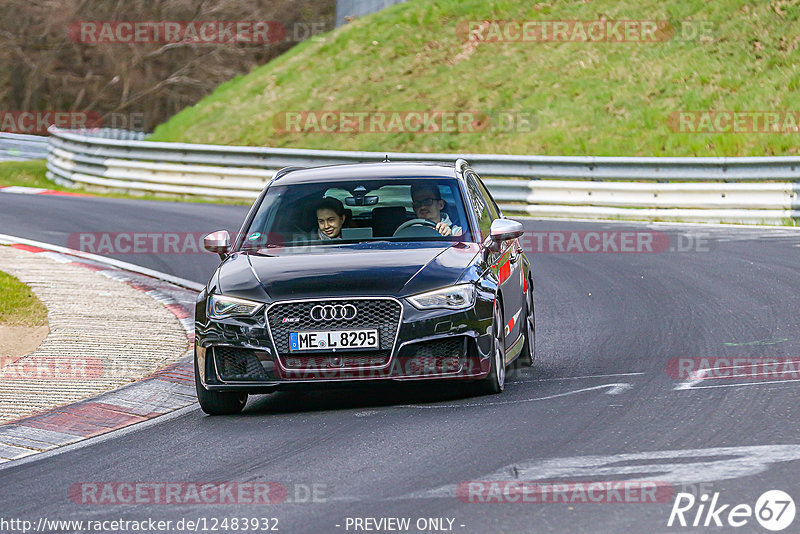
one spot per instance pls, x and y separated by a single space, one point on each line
529 349
217 402
495 381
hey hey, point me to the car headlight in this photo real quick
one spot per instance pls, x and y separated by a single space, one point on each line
452 298
222 307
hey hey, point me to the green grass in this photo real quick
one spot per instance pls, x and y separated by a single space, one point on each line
27 174
18 305
588 98
33 174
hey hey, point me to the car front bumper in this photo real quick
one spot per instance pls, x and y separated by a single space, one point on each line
250 356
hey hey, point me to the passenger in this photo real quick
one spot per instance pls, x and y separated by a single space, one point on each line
330 218
428 204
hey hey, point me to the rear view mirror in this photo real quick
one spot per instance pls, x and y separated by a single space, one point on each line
362 201
218 242
505 229
360 198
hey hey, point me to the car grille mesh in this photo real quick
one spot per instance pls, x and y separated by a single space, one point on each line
438 356
381 314
330 360
238 364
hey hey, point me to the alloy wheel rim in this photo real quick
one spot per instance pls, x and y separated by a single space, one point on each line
531 322
500 364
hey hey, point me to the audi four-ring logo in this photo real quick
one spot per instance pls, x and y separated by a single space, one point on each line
330 312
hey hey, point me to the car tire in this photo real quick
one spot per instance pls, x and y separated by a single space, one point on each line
495 381
528 354
217 402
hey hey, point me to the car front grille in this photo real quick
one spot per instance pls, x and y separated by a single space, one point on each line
380 314
339 359
238 365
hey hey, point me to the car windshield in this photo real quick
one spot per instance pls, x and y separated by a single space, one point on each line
407 209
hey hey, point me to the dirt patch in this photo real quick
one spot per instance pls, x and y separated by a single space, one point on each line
17 341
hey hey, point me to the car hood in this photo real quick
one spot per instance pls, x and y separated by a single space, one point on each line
360 269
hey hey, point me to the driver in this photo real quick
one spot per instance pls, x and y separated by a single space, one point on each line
428 204
330 218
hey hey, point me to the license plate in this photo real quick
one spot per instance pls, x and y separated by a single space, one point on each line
336 339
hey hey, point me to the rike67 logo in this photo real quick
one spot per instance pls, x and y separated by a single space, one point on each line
774 510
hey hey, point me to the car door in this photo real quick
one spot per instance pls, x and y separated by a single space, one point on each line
505 262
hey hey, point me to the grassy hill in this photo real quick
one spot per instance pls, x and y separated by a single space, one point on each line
606 98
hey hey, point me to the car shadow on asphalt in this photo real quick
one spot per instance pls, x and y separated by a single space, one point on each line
359 396
375 395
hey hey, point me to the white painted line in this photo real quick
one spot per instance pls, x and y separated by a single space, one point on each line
749 375
701 376
762 382
697 377
21 190
10 240
686 466
613 389
572 378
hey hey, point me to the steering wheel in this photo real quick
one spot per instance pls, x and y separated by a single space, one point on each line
415 222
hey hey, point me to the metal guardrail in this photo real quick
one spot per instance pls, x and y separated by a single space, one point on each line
742 190
21 147
114 133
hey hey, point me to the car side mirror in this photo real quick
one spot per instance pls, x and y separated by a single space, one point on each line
218 242
505 229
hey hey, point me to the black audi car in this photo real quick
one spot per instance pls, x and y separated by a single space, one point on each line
364 272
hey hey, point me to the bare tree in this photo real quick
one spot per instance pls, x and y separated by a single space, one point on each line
47 66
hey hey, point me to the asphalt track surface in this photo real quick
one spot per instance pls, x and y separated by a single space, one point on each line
597 405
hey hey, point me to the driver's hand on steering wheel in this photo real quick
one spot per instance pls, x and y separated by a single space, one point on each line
443 229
